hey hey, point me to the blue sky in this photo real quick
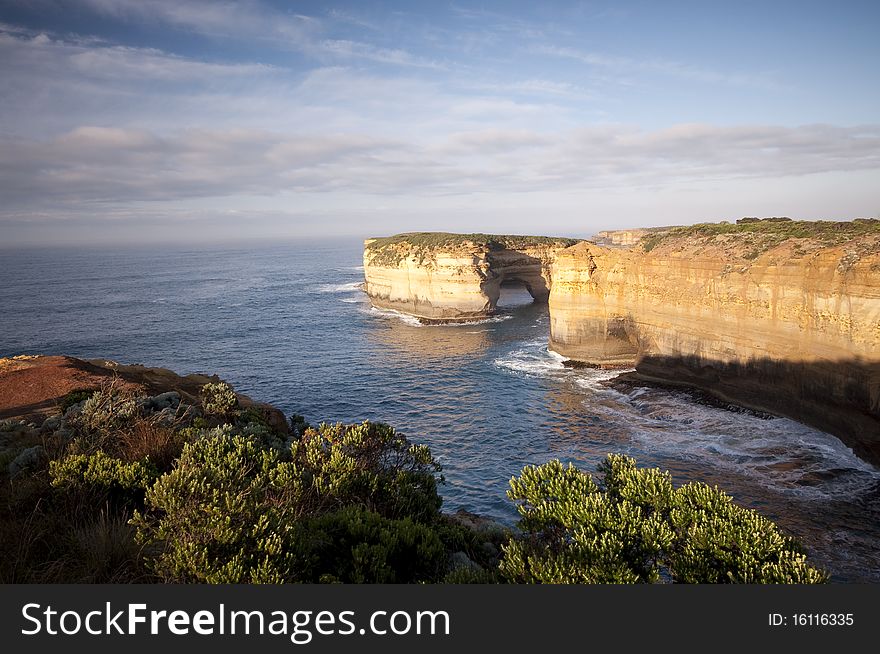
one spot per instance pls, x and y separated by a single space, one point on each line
158 120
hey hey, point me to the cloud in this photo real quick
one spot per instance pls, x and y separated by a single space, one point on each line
253 20
246 18
630 66
98 164
346 49
41 56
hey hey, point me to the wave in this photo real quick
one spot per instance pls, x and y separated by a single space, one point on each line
533 359
781 454
480 321
777 453
412 321
595 379
349 287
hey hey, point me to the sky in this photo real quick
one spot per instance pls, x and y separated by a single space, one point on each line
162 121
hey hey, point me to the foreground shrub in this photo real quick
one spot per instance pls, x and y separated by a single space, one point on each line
370 465
635 527
354 545
102 473
224 514
346 503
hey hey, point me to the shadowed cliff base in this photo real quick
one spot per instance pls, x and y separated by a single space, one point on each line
839 397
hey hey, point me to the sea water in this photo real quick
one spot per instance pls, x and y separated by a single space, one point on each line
290 325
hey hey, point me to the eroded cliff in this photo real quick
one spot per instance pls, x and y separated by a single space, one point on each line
778 317
455 277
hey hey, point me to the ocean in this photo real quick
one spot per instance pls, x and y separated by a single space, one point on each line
288 324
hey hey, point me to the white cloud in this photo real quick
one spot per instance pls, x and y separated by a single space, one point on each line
627 66
347 49
219 18
99 164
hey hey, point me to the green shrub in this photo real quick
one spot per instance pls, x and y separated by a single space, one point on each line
225 514
354 545
219 399
635 527
102 473
106 410
347 503
75 397
370 465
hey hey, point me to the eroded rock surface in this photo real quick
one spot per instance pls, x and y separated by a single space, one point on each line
792 327
450 277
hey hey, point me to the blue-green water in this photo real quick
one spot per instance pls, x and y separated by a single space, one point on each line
288 324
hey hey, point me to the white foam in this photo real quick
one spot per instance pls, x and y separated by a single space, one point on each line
534 359
473 323
412 321
594 379
781 454
349 287
777 453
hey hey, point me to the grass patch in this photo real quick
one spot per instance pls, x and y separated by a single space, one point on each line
75 397
390 250
770 232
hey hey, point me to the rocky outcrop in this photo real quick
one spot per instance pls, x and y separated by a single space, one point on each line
790 325
626 237
33 387
450 277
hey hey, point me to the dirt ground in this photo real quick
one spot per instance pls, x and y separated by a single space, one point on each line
32 387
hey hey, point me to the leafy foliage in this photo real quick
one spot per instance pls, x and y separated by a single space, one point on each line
370 465
75 397
101 472
106 410
635 527
219 399
346 503
354 545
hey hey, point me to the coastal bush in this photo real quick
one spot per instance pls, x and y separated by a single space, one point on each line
106 410
354 545
224 514
633 526
102 473
346 503
219 399
370 465
75 397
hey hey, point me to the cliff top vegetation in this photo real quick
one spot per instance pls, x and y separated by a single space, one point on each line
761 235
389 250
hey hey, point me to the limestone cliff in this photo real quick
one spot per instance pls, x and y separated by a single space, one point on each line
779 317
455 277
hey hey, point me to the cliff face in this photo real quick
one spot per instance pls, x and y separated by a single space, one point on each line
792 326
455 278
